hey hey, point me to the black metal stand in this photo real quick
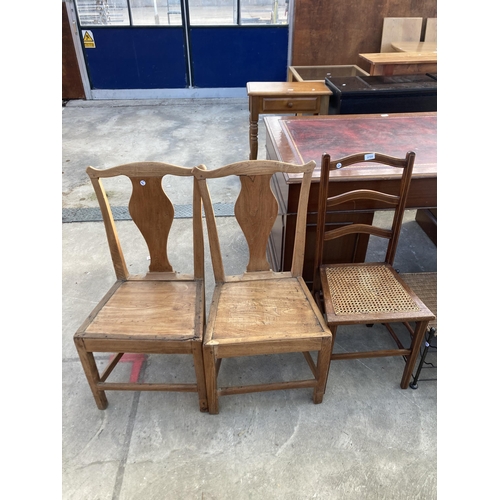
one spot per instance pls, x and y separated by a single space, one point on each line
430 335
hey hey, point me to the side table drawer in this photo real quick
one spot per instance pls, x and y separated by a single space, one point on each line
293 104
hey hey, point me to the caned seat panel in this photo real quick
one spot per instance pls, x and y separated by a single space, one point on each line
369 290
425 286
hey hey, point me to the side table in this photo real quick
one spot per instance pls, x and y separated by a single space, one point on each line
284 98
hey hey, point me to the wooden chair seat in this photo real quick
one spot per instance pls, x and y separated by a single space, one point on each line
364 293
261 310
148 310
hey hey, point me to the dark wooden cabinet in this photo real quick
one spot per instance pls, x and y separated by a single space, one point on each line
382 94
72 86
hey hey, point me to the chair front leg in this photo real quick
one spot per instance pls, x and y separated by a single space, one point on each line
92 374
200 375
323 367
416 342
209 361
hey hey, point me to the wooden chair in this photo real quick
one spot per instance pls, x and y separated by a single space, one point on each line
368 293
425 286
260 311
160 312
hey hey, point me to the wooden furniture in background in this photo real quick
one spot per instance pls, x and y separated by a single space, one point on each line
301 139
282 98
330 32
427 220
368 293
414 46
431 30
260 311
382 94
72 86
160 312
425 286
401 63
319 73
404 29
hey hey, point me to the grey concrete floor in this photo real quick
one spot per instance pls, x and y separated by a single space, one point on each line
369 439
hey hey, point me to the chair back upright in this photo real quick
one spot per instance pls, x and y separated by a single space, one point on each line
255 209
362 197
152 211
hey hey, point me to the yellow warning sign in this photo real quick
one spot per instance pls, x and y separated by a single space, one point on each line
88 40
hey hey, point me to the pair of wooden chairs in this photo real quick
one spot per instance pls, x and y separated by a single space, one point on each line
256 313
259 312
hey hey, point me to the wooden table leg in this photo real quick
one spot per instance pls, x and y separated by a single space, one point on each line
254 127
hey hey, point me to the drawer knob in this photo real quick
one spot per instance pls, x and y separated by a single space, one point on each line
290 104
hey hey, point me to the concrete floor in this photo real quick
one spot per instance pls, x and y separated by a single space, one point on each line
369 439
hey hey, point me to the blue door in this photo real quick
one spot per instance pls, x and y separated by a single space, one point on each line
175 44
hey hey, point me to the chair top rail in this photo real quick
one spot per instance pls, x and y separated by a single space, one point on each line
140 169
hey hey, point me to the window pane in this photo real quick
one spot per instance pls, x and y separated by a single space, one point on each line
161 12
102 12
264 11
213 12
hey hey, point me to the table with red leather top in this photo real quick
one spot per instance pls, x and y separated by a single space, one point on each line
305 138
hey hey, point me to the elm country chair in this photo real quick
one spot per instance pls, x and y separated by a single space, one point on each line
261 312
371 292
159 312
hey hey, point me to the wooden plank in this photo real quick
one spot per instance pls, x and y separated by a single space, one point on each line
414 46
431 30
287 88
400 29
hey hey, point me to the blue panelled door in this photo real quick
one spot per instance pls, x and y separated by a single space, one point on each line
231 56
137 58
184 56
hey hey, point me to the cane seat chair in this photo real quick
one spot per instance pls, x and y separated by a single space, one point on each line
424 284
261 312
372 292
159 312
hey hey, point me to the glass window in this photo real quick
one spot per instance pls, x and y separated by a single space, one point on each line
224 12
213 12
168 12
160 12
264 12
103 12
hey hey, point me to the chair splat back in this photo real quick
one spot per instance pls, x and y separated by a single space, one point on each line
256 209
150 209
153 213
